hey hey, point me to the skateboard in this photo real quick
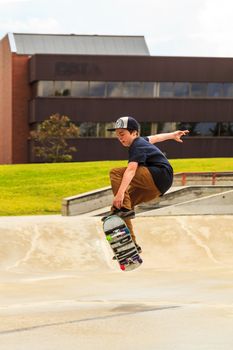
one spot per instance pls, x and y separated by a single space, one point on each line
120 240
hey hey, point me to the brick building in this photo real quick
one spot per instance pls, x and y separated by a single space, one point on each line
96 79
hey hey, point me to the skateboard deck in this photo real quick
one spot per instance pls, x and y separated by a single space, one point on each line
120 240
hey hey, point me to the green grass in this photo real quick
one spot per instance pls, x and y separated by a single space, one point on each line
33 189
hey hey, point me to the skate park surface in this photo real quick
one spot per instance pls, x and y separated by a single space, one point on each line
60 288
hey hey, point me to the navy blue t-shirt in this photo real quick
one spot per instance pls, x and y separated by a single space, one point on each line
147 154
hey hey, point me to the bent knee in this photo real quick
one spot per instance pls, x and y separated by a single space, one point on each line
117 172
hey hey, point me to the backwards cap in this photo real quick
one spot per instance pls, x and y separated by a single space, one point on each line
128 123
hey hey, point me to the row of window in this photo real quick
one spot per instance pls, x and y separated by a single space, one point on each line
133 89
91 129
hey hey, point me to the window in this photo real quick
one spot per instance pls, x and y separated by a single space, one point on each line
200 129
228 90
154 128
62 88
226 129
80 88
198 89
145 129
95 129
87 129
45 88
215 90
97 89
109 126
148 89
181 89
100 130
166 89
166 127
207 129
132 89
114 89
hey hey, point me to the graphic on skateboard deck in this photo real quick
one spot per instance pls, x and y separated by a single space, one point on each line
120 240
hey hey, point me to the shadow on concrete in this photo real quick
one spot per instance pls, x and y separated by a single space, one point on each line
127 310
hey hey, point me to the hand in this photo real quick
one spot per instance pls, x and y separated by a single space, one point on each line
118 200
178 134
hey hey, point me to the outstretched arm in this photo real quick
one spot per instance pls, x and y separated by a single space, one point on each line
176 135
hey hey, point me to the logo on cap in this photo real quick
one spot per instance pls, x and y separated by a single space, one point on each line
120 124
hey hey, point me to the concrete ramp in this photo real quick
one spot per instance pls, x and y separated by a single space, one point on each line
186 242
59 244
51 244
61 290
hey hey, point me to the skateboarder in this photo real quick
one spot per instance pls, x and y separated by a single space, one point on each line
148 174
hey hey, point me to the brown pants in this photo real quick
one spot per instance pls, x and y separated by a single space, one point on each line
141 189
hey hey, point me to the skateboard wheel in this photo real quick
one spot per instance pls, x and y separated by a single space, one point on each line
109 238
122 267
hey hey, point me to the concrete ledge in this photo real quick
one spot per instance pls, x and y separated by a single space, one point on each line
216 204
183 194
87 202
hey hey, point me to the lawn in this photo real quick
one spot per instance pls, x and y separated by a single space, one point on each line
33 189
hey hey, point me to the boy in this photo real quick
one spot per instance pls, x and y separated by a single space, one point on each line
148 174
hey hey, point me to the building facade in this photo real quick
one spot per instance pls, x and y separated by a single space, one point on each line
99 81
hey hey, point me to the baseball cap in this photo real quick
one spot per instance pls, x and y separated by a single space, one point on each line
128 123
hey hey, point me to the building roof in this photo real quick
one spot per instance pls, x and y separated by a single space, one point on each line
30 44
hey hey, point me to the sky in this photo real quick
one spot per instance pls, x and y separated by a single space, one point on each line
170 27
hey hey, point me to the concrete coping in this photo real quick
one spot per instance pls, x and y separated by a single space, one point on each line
101 198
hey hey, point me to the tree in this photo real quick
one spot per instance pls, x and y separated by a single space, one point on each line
51 139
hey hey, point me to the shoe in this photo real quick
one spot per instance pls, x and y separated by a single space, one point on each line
122 213
139 249
126 213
